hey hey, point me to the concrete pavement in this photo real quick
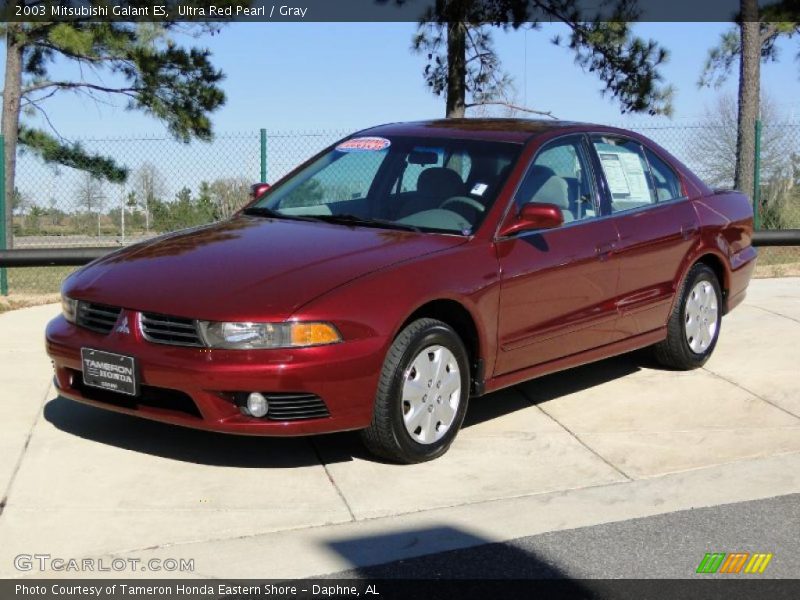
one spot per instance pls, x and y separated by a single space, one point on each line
607 442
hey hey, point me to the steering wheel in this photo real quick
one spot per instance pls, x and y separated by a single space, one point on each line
471 202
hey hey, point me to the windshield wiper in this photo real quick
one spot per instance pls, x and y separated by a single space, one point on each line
260 211
263 211
348 219
343 219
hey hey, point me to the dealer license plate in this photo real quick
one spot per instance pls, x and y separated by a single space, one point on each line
109 371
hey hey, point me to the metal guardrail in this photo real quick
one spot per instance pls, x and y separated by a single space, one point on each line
65 257
776 237
51 257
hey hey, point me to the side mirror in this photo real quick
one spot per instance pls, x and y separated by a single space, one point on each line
255 192
257 189
534 215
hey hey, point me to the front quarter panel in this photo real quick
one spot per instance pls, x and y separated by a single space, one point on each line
380 303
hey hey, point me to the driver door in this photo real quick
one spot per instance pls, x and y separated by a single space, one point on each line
558 285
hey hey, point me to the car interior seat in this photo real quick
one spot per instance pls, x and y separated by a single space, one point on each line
545 186
437 184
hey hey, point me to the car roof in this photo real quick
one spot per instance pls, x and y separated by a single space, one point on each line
499 130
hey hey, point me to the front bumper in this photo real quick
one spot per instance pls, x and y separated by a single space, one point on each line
195 387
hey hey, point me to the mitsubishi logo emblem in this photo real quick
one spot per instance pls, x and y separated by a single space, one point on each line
123 325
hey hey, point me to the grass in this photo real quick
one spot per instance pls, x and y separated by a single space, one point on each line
777 255
33 286
37 280
14 301
778 262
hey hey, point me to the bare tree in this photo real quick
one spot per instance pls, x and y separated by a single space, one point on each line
149 186
228 195
91 196
714 147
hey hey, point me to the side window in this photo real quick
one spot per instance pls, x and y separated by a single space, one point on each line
668 186
560 175
626 173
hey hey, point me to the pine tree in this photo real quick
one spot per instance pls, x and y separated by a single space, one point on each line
462 64
141 63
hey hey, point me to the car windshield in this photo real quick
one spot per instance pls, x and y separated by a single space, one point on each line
424 184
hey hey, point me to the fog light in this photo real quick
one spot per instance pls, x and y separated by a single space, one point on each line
257 404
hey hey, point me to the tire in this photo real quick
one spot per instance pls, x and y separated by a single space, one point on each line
418 393
694 325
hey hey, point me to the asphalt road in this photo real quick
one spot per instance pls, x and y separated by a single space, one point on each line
664 546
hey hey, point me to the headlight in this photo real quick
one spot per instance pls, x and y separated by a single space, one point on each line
246 336
69 308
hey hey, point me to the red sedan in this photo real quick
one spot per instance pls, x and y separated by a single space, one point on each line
402 271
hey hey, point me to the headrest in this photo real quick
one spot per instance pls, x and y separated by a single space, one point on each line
440 182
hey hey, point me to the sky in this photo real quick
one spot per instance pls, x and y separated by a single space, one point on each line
340 77
310 76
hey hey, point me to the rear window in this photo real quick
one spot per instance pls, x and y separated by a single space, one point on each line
668 186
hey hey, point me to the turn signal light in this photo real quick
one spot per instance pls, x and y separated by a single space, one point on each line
314 334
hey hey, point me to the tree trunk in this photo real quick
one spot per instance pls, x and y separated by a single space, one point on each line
456 69
749 93
12 93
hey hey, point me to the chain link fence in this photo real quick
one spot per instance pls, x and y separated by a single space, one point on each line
171 185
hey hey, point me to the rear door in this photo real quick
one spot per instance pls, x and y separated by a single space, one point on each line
657 225
558 285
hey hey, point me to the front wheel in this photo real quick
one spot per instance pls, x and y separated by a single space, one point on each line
693 327
422 394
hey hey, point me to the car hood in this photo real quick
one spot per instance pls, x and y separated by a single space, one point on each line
247 268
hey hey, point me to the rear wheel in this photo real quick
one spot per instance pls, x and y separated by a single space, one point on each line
422 394
693 327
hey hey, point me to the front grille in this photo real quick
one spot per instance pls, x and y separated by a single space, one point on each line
295 407
97 317
163 329
149 397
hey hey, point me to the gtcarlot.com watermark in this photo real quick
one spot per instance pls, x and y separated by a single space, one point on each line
47 562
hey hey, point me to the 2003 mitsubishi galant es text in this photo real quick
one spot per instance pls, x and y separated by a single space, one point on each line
402 271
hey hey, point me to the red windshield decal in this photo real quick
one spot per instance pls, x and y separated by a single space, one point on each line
364 144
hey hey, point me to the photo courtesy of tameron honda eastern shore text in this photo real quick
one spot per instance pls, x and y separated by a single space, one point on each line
402 271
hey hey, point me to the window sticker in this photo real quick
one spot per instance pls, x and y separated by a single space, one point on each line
479 189
615 176
625 176
364 144
637 180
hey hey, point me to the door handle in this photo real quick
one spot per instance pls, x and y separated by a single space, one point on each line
689 230
605 250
